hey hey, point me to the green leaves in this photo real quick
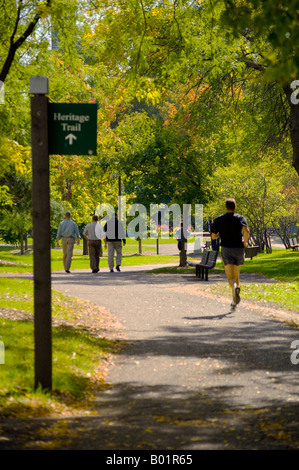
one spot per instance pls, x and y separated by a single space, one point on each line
271 30
264 191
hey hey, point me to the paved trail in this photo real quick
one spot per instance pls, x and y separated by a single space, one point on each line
194 375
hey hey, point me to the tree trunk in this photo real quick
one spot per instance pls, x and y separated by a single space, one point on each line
16 44
22 242
294 126
183 253
293 117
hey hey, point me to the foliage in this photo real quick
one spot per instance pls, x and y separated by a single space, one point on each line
12 261
271 22
177 97
266 192
282 294
16 211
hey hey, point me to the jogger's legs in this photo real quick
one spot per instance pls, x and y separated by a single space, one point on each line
232 272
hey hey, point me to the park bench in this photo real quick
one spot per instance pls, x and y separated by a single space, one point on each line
251 251
293 244
207 262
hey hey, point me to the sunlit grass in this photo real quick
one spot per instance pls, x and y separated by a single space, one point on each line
283 294
76 363
17 294
281 264
77 355
11 261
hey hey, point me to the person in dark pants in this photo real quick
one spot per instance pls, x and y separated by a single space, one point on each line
115 236
95 251
233 231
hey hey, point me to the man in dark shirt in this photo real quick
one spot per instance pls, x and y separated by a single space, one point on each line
233 231
115 235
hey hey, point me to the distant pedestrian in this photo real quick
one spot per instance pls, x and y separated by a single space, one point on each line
214 241
179 235
233 231
115 237
94 234
68 231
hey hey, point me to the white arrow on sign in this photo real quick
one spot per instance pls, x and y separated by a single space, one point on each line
71 137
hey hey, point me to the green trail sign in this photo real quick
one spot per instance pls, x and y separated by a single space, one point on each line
72 128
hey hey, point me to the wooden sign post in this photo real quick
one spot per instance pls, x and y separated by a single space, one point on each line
41 233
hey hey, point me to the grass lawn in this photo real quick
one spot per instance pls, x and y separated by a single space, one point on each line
13 262
281 265
77 354
283 294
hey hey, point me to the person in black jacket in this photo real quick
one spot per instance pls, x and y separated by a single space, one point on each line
115 236
233 231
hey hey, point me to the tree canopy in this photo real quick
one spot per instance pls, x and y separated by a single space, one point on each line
187 93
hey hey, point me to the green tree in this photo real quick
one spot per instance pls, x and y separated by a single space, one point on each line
266 194
154 45
16 211
268 31
20 20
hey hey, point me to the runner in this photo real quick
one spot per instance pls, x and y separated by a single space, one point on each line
233 231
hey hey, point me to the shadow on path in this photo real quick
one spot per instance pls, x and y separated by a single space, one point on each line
210 391
185 381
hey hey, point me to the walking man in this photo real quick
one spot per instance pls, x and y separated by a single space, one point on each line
233 231
94 234
115 236
68 231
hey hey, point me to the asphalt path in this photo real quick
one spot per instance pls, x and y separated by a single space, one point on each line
192 375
